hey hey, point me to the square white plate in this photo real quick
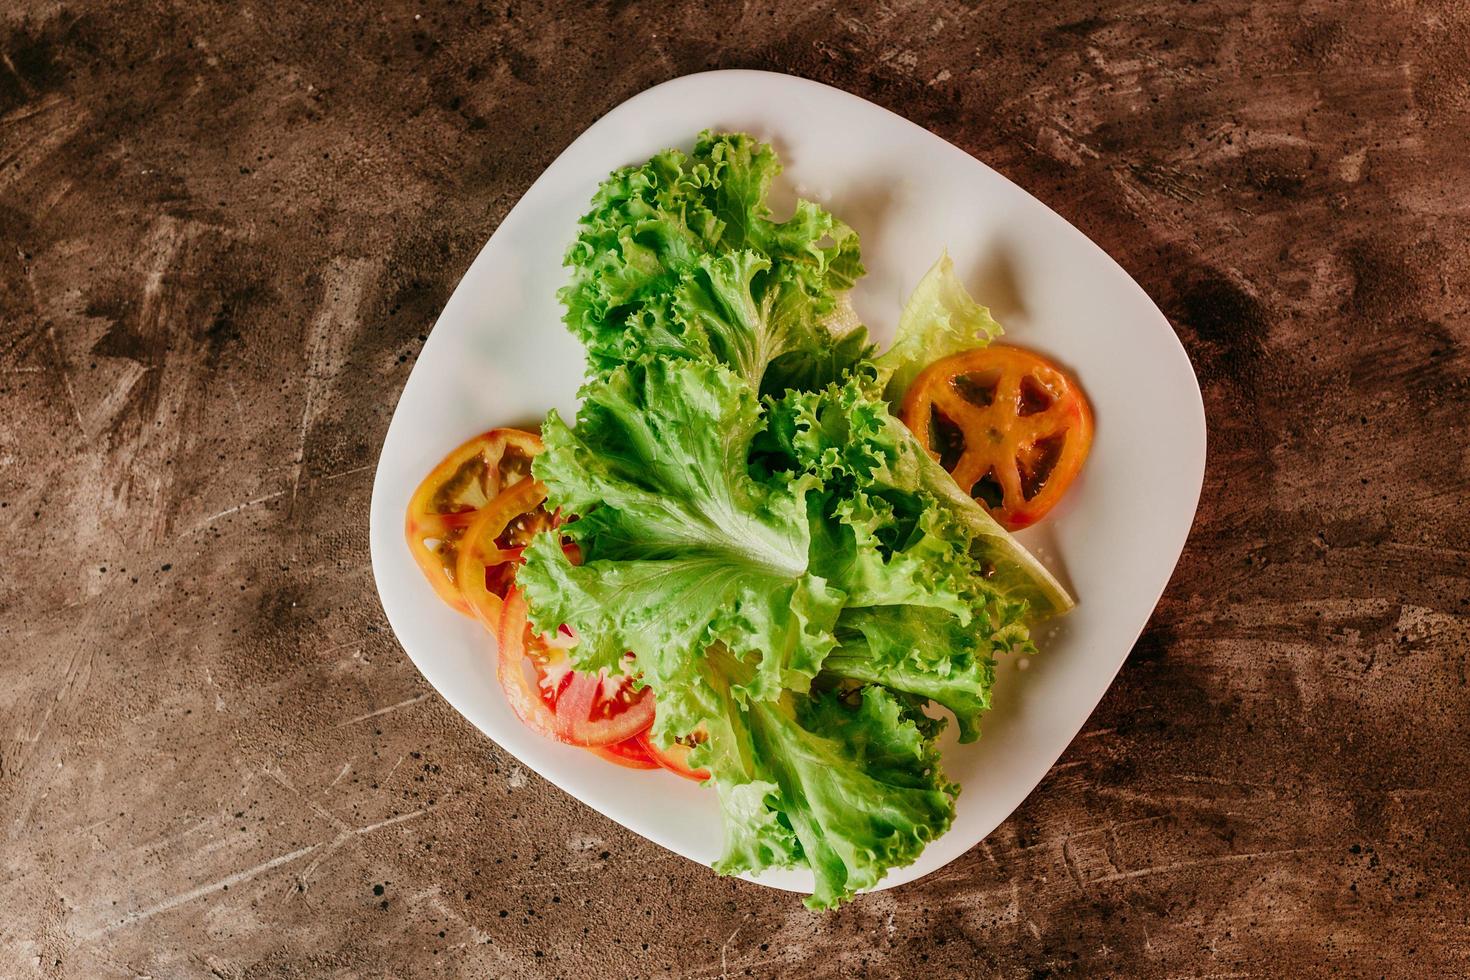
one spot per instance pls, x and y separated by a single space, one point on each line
499 355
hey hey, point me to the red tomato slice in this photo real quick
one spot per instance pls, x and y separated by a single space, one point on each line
566 704
675 758
523 694
629 753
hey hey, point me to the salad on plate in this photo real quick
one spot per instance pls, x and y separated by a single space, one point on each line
763 555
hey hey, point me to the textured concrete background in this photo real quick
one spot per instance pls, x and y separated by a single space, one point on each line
225 229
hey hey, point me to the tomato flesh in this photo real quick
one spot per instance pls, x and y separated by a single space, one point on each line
452 496
1012 428
675 758
629 752
569 705
523 695
467 527
491 547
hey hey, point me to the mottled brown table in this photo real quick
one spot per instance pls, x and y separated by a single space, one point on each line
225 229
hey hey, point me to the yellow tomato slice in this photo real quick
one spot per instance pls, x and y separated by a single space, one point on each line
491 547
449 499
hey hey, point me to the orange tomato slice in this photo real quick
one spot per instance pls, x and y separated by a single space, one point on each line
630 753
1010 426
449 499
675 758
491 547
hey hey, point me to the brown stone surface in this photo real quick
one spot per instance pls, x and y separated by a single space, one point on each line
225 229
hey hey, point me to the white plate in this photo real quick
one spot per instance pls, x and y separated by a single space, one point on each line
499 355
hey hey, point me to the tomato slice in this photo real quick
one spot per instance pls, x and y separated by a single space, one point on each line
556 700
449 499
491 547
675 758
629 752
1010 426
467 526
523 694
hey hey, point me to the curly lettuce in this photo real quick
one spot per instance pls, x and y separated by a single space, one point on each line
681 259
796 578
940 318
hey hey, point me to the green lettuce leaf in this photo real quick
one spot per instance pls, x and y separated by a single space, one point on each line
748 314
795 577
899 531
680 546
850 785
661 224
927 652
939 319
